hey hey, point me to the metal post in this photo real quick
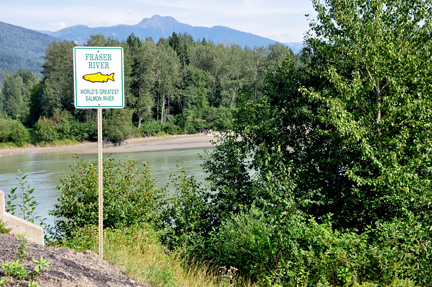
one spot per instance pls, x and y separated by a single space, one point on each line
100 172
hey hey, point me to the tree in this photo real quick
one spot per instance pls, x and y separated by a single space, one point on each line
351 120
374 105
142 55
57 85
15 100
167 77
12 99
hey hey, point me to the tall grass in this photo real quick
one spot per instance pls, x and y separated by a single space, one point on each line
140 255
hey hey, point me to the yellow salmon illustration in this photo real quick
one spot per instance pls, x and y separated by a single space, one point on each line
98 77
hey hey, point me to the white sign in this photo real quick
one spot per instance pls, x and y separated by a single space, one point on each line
98 77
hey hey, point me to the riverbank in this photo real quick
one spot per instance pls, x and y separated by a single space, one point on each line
171 142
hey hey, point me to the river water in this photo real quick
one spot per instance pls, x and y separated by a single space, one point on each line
44 171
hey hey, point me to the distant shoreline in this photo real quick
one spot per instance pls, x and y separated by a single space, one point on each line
174 142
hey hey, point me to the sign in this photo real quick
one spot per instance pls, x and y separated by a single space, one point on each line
99 83
98 77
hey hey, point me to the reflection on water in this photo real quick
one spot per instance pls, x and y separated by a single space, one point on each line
44 171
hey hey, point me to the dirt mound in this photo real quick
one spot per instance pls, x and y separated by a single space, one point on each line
68 267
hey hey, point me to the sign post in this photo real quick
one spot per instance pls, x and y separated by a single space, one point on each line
99 83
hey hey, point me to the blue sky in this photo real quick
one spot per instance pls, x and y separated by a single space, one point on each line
280 20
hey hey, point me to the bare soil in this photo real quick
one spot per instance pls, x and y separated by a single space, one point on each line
68 267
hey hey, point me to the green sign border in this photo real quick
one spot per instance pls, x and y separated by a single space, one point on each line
76 78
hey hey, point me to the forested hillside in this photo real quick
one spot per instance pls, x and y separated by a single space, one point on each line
158 27
176 85
21 48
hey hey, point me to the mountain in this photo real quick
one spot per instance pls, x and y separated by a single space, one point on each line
21 48
158 26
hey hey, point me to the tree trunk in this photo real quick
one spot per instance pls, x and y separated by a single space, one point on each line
378 100
162 110
140 118
157 106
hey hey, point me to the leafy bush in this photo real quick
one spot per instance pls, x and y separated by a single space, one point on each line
118 126
46 130
129 196
3 228
171 128
270 240
183 219
13 131
402 250
63 126
24 203
244 241
150 128
193 121
84 130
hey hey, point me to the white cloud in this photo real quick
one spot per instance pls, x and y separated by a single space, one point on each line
55 26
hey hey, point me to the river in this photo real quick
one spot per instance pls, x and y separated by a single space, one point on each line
44 170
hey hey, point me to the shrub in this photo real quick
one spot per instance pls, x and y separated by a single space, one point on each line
63 126
84 130
13 131
244 241
118 127
171 128
150 128
129 196
183 218
402 250
46 130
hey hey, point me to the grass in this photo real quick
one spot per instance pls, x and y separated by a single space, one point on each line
138 252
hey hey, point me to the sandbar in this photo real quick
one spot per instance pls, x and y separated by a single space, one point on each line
171 142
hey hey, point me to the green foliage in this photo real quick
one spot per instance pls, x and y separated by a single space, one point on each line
3 228
46 130
244 241
318 181
401 250
150 128
373 107
13 131
118 127
63 126
16 271
23 204
142 55
183 218
15 95
57 84
15 52
129 196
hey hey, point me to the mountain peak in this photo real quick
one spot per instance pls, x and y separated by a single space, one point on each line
157 21
158 27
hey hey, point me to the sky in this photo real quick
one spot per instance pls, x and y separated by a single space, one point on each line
280 20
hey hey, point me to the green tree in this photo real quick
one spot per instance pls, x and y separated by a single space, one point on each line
374 106
57 85
357 133
16 91
12 98
141 88
35 104
167 77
